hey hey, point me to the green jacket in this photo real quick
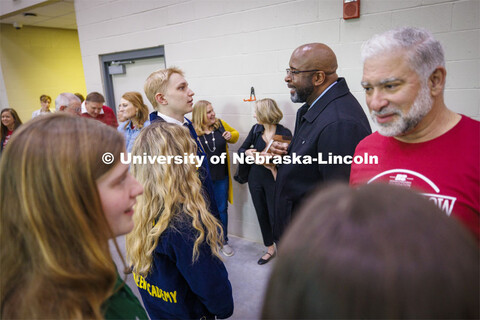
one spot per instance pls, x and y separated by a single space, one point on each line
123 304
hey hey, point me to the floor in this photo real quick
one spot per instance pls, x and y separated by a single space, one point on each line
248 279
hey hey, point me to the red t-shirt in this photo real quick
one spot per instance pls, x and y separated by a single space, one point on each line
108 117
446 169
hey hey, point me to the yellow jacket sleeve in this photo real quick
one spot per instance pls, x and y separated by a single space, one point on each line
233 139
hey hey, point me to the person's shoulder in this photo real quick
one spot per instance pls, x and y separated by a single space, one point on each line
469 122
373 138
122 126
107 109
123 304
223 122
284 131
179 226
257 128
467 130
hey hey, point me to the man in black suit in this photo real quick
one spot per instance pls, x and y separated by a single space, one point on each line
331 122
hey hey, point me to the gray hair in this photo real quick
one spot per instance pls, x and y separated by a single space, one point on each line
424 53
65 99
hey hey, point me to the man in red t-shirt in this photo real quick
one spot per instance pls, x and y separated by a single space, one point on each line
94 108
420 143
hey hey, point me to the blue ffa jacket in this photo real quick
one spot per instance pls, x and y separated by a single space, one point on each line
177 289
203 171
335 124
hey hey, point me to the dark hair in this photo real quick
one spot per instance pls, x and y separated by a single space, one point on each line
374 252
16 118
44 98
95 97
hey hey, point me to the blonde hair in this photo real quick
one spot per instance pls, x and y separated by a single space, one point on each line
141 115
199 117
267 111
172 192
157 83
55 258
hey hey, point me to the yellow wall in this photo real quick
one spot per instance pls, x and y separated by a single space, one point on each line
38 61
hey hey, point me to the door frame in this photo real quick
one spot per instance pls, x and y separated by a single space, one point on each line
107 59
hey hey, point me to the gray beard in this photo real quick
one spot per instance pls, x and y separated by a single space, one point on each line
406 122
301 95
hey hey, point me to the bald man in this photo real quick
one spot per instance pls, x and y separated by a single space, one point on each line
330 123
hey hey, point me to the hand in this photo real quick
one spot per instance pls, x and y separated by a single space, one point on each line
227 135
250 152
278 148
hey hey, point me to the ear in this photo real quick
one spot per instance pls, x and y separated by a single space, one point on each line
436 81
160 98
319 78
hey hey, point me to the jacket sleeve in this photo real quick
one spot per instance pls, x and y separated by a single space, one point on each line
248 141
207 277
339 138
234 132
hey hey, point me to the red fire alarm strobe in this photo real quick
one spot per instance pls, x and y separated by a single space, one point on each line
351 9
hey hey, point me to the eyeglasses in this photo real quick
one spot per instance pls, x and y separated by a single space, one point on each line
292 73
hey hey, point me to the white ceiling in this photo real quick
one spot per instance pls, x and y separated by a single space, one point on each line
60 14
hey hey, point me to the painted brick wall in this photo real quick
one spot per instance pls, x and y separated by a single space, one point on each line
225 47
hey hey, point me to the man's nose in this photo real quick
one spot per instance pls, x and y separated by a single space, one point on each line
376 101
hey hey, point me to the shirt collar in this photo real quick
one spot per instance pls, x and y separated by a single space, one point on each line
84 108
321 95
170 119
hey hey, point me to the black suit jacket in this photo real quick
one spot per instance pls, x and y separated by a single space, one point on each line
335 124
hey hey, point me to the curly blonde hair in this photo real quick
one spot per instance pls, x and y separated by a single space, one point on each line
171 192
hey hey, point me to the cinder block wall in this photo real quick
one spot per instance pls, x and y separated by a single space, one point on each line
225 47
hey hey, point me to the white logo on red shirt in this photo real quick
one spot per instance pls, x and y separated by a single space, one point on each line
405 178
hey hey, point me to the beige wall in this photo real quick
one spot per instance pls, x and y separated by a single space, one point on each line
36 61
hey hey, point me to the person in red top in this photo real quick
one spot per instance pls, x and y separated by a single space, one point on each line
420 143
10 122
93 107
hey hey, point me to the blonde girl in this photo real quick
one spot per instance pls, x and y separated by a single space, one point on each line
174 246
215 134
